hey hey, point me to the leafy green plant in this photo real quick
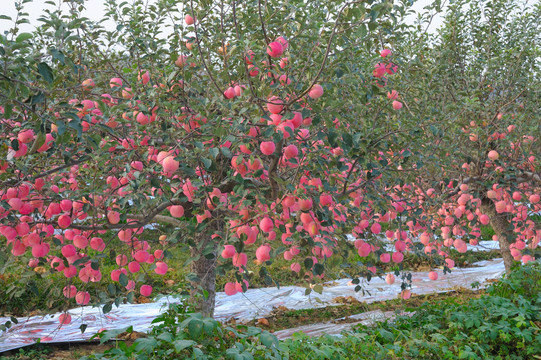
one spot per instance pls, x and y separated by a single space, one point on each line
40 352
180 333
523 281
503 325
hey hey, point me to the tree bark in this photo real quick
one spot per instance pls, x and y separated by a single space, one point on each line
205 270
503 229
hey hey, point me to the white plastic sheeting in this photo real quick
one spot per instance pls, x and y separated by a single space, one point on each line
337 326
485 245
260 302
254 303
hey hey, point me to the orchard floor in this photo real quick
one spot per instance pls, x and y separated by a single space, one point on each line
254 304
313 322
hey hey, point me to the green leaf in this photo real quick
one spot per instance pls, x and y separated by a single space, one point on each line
348 139
332 136
207 162
76 125
239 159
195 328
15 144
38 98
386 334
308 263
209 325
58 55
112 289
182 344
199 354
268 340
226 152
112 334
123 279
108 129
8 111
61 127
363 30
214 152
23 36
145 344
80 261
46 72
318 269
107 308
165 336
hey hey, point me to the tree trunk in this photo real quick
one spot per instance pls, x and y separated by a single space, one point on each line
205 270
503 229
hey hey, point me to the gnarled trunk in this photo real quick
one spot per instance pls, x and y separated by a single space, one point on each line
205 269
502 228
